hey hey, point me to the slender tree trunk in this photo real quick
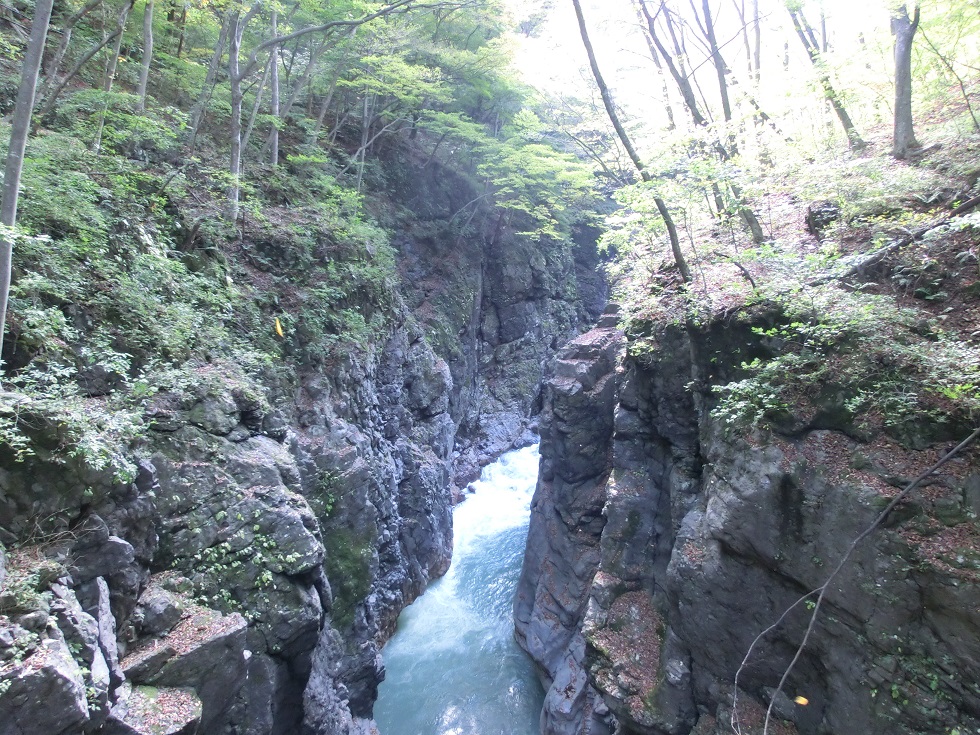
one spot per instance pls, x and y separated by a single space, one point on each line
366 120
655 57
19 130
740 9
757 41
719 63
182 25
48 104
197 111
904 29
677 72
257 105
112 63
274 83
147 53
824 40
304 79
607 101
325 105
54 63
725 149
809 40
237 28
959 80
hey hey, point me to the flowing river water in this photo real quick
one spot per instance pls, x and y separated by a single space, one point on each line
453 667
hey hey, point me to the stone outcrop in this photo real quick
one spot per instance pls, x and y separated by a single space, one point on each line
662 545
563 551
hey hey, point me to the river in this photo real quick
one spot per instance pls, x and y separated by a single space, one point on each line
453 667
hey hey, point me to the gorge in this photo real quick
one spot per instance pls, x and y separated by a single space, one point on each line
294 285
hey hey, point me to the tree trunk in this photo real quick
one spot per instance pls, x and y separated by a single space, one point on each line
257 105
182 25
147 53
655 57
678 73
112 63
325 105
719 63
48 104
607 101
274 84
725 149
237 29
740 9
19 129
54 63
809 40
904 29
304 79
197 111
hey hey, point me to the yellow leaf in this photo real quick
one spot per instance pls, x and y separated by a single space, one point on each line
802 700
279 328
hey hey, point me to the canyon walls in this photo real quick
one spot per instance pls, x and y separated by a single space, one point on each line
661 545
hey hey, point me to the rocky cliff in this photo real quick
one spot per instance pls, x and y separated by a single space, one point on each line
245 577
661 545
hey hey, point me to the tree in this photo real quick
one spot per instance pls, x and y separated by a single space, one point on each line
274 81
48 104
607 101
809 40
725 150
237 72
903 28
19 130
147 53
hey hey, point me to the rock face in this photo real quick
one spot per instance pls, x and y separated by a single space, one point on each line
496 307
566 527
245 579
661 546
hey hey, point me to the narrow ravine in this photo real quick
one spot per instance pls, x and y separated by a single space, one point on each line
453 667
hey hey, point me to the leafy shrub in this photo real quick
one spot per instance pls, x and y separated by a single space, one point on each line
861 356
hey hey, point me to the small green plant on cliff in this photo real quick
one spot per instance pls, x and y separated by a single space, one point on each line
348 563
29 576
856 356
47 411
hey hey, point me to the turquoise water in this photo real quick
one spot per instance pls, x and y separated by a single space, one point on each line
453 667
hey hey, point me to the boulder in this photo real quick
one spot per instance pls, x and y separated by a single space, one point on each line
147 710
821 215
210 658
44 694
81 633
97 553
157 611
95 600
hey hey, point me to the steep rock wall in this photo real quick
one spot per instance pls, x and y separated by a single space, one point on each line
705 538
495 304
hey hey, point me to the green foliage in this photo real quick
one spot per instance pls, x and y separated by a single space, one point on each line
29 576
47 410
548 190
858 357
115 117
